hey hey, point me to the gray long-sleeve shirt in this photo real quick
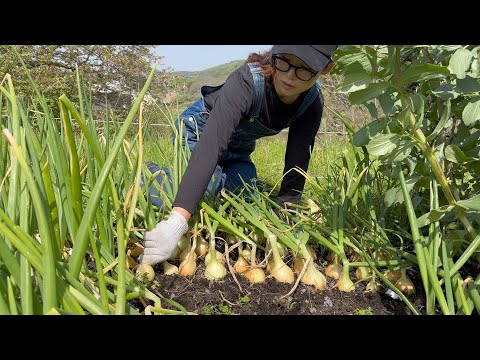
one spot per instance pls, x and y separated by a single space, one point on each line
230 105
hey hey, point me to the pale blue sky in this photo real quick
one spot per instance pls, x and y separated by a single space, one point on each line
201 57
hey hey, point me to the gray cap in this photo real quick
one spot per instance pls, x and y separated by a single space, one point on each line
315 56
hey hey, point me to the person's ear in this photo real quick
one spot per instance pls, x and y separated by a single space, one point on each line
327 68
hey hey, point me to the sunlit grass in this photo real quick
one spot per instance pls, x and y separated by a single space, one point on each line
268 156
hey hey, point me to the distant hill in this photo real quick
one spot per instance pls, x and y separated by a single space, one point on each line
220 71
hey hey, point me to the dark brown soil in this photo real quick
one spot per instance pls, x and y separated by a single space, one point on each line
226 297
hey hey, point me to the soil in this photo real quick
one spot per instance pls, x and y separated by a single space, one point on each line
227 297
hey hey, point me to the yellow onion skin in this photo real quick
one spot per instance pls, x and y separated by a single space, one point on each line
314 277
169 269
405 285
334 271
201 247
136 249
345 284
256 275
393 276
281 272
188 266
144 272
241 265
215 271
218 255
298 264
362 272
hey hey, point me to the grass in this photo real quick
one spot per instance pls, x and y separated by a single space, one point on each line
268 156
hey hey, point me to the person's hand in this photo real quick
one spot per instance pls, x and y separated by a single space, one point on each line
160 242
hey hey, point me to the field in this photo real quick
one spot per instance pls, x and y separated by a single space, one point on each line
388 223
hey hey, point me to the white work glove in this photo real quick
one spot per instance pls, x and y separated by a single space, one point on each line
160 242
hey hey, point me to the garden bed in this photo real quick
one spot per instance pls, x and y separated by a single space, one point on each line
227 297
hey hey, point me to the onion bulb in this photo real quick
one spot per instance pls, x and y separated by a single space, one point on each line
362 272
130 262
183 243
189 265
405 285
345 283
136 249
393 276
278 269
314 277
218 255
215 270
241 264
372 286
256 275
169 269
144 272
201 247
298 263
334 271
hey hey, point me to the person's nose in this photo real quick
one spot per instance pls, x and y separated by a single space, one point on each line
291 73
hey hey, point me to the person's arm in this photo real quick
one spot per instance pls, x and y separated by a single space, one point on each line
301 139
231 105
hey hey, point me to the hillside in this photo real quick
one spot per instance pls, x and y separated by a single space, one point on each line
192 81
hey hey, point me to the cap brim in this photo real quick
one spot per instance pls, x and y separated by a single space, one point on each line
316 60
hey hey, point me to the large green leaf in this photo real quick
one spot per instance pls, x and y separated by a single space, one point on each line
370 92
434 215
388 102
395 195
469 85
460 62
447 91
363 136
423 72
401 152
470 204
355 79
443 121
455 155
348 55
471 112
383 144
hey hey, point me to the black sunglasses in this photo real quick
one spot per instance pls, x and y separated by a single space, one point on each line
283 65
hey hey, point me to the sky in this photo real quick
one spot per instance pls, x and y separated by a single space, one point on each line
201 57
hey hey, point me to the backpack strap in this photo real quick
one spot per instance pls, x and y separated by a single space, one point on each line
259 83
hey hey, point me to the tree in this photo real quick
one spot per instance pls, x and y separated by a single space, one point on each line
115 72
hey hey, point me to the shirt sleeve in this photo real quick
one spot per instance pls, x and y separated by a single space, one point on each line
301 139
232 104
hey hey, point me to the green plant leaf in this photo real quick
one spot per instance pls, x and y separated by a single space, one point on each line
383 144
443 121
470 204
395 195
433 215
468 85
460 62
423 72
401 152
447 91
374 90
455 155
355 79
363 136
471 112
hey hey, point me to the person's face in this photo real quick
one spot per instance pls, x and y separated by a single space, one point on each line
287 83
